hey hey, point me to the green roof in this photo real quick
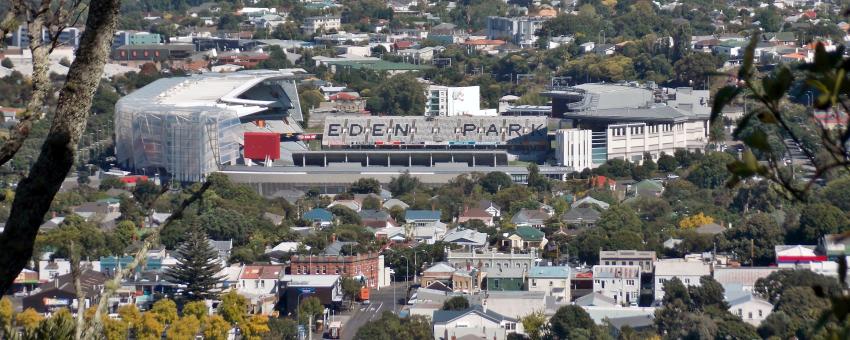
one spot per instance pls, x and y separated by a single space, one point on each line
648 184
379 65
529 233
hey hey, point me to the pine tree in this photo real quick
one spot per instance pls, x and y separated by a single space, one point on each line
198 267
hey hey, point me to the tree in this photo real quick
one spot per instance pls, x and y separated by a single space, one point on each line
756 236
35 193
345 215
309 307
711 172
277 59
494 181
537 181
60 325
185 328
837 192
130 314
403 184
695 221
619 218
216 328
282 328
667 163
6 314
165 311
28 319
819 219
7 63
365 186
233 307
696 67
83 178
198 309
255 327
648 163
400 95
708 293
456 303
371 203
389 326
774 285
197 267
350 288
674 290
115 329
534 325
149 327
567 319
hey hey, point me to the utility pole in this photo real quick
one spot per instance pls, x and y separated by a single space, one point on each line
310 328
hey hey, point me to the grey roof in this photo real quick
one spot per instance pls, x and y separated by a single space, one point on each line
506 273
393 202
590 200
466 236
221 245
595 299
378 215
656 113
484 204
581 214
445 316
549 272
529 216
336 247
710 228
635 322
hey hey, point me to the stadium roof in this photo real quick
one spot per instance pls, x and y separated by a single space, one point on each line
655 113
378 65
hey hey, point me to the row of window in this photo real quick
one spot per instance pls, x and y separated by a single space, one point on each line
639 129
749 314
324 270
602 283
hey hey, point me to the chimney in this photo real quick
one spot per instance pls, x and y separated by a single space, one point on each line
484 306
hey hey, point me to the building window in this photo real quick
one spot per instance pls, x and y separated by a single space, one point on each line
760 313
740 312
551 283
630 282
534 282
750 315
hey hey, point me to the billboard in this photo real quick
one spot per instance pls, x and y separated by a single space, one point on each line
400 130
259 145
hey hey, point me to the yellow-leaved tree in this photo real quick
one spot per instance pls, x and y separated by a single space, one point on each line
694 221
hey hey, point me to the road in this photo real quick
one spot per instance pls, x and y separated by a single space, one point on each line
380 301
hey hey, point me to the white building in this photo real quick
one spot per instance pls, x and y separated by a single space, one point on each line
621 283
321 23
689 272
49 270
454 101
750 308
477 322
519 30
617 121
260 285
553 280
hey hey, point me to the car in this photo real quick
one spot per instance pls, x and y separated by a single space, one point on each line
365 302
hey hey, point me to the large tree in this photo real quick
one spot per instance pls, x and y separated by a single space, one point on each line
400 95
36 191
197 267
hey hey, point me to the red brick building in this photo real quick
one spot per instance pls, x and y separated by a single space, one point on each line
369 266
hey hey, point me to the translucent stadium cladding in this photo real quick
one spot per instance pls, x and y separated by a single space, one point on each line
189 126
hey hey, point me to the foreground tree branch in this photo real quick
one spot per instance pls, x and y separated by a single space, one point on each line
36 192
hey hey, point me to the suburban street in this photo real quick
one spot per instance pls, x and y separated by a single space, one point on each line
379 302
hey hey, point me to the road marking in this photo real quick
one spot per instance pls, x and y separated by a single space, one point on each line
376 311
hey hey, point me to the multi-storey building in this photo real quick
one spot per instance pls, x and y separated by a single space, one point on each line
519 30
641 258
553 280
621 283
454 101
689 272
135 38
369 267
321 23
70 36
486 260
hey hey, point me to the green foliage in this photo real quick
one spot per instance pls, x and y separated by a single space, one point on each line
310 306
197 267
456 303
389 327
774 285
233 307
756 235
495 181
568 319
165 311
403 184
400 95
365 186
7 63
711 172
198 309
819 219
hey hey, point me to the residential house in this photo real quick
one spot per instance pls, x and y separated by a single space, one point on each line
648 188
259 283
394 234
834 246
467 281
749 307
490 207
393 202
377 219
350 204
581 217
467 238
439 272
222 248
527 238
484 45
530 218
641 258
621 283
313 25
590 201
422 218
505 278
553 280
797 256
50 270
710 229
478 214
689 272
744 277
595 299
61 292
475 323
319 217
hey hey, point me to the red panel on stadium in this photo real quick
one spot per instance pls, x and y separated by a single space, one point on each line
259 145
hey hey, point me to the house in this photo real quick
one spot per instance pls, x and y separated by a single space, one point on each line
590 201
429 234
439 272
313 25
710 229
490 207
222 248
834 246
644 259
475 323
50 270
749 307
527 238
61 292
476 214
553 280
506 278
530 218
467 238
648 188
621 283
467 281
794 256
671 243
259 283
422 218
377 219
581 217
595 299
394 234
350 204
319 217
689 272
488 259
392 203
337 248
743 277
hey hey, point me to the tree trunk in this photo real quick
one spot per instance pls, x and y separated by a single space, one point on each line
36 192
